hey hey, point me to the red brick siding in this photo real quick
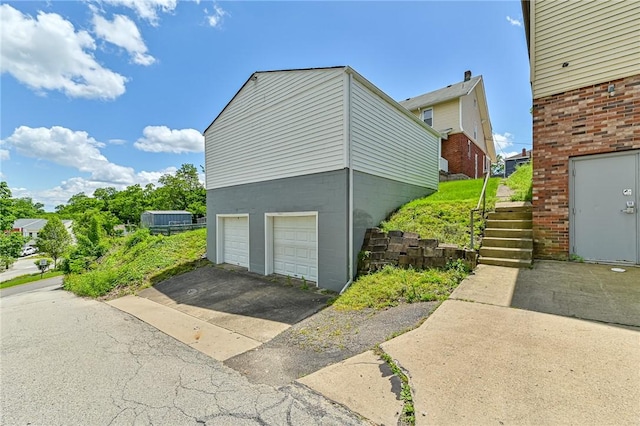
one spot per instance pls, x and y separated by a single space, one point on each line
455 150
580 122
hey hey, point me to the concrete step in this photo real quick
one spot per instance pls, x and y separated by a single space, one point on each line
526 243
511 263
513 206
508 233
506 252
510 224
509 216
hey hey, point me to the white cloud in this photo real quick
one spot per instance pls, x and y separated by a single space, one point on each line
117 141
47 53
147 9
504 144
4 154
124 33
69 148
215 19
163 139
514 21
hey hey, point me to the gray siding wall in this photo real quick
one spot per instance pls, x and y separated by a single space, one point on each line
326 193
374 198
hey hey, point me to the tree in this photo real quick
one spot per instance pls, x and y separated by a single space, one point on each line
10 248
497 168
7 216
182 191
26 208
53 239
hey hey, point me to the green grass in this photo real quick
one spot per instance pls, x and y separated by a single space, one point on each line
29 279
445 214
521 182
136 261
392 286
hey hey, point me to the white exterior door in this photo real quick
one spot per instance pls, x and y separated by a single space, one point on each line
235 240
604 195
295 247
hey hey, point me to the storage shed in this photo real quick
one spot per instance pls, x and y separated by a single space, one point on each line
165 218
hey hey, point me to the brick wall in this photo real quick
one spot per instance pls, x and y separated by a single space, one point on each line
575 123
456 150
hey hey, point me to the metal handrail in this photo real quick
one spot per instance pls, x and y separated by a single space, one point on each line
482 200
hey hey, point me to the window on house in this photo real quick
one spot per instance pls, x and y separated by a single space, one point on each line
427 116
475 131
468 148
475 103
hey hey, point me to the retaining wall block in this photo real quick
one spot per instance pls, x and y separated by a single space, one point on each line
428 243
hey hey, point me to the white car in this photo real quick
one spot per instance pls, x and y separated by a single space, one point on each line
28 251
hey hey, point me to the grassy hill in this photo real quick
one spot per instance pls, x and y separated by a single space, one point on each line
444 215
138 261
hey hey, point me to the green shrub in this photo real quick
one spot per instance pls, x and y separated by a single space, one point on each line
135 261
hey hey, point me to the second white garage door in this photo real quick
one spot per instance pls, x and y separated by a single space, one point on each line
295 247
235 240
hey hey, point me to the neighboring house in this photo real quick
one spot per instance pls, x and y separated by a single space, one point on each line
585 77
165 218
511 163
29 228
301 162
460 113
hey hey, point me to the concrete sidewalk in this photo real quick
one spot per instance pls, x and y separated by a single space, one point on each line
511 347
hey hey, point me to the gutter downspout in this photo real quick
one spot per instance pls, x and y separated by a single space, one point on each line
350 166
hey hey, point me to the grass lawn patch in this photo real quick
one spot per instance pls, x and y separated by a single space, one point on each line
134 262
444 215
29 279
521 181
392 286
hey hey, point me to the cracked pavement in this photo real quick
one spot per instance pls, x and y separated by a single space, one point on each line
67 360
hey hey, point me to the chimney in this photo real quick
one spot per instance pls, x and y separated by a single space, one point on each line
467 75
524 152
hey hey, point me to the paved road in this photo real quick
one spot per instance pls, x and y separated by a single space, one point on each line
67 360
36 285
22 266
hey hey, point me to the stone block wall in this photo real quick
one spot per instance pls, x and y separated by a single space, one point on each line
405 249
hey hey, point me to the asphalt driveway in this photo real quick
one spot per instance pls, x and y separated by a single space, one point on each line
224 289
222 311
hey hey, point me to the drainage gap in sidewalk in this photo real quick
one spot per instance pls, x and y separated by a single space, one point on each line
408 417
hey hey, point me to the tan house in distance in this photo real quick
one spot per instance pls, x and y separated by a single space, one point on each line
585 78
460 113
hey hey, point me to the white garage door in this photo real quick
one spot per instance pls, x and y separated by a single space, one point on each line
294 247
235 240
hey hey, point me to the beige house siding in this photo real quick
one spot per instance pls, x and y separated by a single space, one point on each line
471 119
445 115
600 41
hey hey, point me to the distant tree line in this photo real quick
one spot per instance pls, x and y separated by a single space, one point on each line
95 216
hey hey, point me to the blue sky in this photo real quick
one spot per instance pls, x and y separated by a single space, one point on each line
117 92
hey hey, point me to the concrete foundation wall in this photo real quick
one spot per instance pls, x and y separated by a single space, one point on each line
375 198
326 193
